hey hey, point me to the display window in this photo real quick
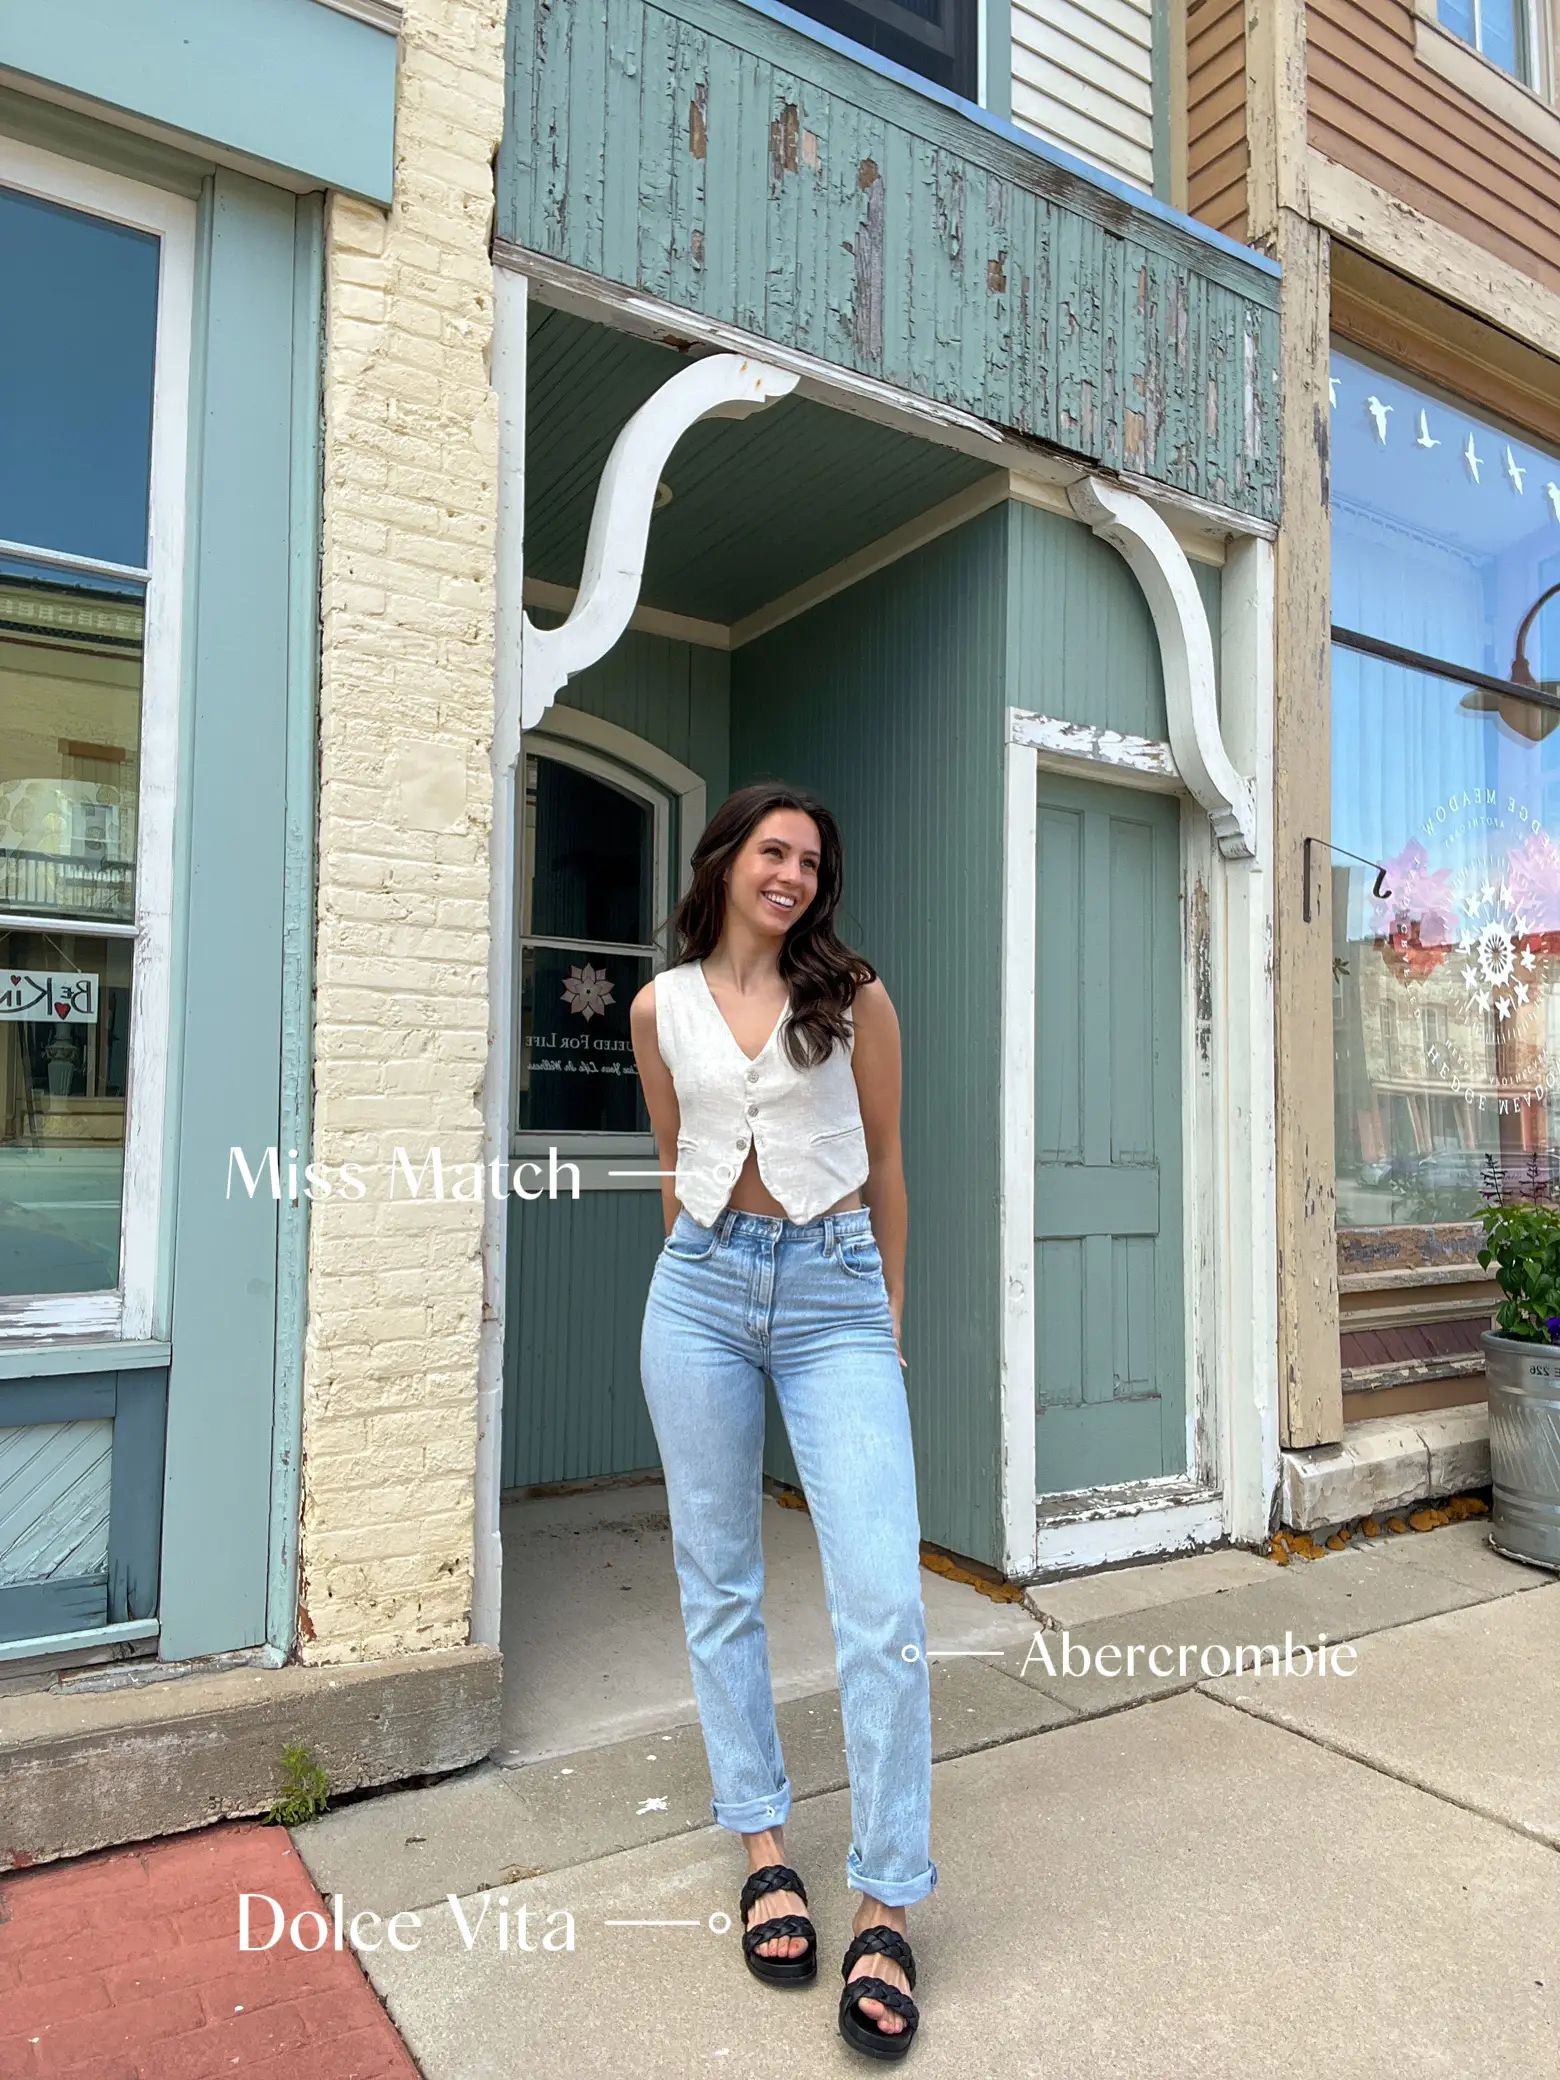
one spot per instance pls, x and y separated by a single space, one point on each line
93 389
1446 791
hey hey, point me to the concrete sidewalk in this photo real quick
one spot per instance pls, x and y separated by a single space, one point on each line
1169 1872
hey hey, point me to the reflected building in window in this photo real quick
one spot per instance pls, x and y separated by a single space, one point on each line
1446 768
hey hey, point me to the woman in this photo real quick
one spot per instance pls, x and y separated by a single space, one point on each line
769 1056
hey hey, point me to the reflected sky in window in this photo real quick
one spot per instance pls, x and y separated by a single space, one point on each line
78 320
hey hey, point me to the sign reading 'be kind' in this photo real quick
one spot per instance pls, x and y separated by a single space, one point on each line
34 996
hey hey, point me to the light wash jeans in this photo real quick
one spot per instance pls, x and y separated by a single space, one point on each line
806 1304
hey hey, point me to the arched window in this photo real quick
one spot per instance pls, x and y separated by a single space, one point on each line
594 865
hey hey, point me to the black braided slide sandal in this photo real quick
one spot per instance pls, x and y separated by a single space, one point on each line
777 1971
858 2030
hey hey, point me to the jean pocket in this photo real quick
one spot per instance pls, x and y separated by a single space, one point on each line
690 1243
859 1255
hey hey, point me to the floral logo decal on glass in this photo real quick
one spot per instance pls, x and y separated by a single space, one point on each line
1498 965
587 991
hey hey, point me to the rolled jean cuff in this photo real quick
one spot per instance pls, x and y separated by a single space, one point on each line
889 1892
755 1814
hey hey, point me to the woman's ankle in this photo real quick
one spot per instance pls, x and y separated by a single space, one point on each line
764 1847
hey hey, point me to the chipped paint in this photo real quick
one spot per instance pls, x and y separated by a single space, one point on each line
674 150
1064 746
866 309
783 133
1201 954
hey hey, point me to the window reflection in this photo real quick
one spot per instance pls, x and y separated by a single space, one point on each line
70 718
70 723
64 1052
1446 534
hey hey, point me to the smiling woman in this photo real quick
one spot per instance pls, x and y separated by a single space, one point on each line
769 1054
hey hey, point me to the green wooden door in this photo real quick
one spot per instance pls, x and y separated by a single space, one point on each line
1110 1337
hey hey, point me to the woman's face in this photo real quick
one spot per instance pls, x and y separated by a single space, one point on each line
774 877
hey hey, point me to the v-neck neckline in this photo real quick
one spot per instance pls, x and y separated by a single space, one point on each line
750 1059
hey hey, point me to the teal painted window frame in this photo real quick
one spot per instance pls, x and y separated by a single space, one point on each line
278 83
231 1278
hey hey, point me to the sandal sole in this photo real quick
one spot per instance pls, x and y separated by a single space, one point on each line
875 2044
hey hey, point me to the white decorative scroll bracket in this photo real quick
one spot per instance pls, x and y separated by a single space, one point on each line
731 384
1159 564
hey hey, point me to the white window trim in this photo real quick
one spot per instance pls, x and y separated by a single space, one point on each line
631 779
130 1311
378 14
1525 107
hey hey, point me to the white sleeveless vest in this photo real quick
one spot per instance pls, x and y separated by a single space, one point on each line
804 1123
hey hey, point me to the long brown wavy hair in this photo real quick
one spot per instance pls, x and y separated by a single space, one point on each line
822 973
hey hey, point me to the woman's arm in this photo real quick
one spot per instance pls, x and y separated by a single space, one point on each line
660 1096
875 1060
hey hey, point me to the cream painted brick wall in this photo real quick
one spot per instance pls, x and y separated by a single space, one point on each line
406 702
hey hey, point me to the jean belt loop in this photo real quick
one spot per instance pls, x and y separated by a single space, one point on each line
828 1234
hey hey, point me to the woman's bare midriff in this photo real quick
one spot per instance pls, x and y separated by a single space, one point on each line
750 1194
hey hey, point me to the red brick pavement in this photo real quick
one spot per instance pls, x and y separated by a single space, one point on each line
126 1966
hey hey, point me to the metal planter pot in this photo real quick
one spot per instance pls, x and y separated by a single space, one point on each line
1524 1390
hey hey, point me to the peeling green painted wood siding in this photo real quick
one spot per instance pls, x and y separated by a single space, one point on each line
888 700
732 166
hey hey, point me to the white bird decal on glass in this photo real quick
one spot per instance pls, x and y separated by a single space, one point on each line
1378 412
1426 439
1471 457
1554 499
1514 470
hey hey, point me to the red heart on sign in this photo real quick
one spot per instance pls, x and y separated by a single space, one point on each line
62 1011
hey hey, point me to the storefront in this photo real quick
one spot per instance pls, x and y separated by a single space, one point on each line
1006 604
161 241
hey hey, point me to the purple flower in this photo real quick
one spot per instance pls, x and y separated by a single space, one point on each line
1553 1326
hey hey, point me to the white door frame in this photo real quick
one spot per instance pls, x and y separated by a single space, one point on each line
1227 1081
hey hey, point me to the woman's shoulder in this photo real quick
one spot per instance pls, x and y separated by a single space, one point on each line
873 998
663 988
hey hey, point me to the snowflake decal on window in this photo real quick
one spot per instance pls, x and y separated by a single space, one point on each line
587 990
1498 970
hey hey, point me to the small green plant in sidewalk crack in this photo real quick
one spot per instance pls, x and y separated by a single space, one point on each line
305 1789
